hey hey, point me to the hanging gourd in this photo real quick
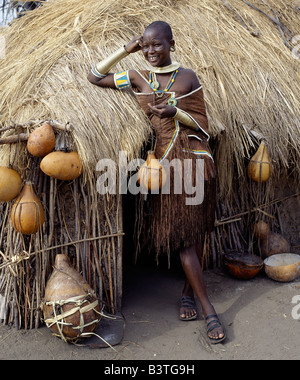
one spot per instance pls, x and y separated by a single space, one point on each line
41 141
10 184
70 307
62 165
259 168
27 214
152 175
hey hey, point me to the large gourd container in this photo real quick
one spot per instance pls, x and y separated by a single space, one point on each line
71 309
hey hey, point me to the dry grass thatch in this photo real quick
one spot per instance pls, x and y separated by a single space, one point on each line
241 51
250 76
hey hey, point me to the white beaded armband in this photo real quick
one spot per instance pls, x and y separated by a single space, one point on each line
122 80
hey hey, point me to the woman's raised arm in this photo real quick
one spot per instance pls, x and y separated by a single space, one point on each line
100 75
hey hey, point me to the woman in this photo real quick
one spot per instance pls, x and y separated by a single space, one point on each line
172 98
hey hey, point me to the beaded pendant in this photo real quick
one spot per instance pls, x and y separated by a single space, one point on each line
172 102
154 84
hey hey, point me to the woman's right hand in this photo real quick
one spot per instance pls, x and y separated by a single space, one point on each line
134 45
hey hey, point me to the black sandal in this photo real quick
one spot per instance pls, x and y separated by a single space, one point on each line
216 323
188 303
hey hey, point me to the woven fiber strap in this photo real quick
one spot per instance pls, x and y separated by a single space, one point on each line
78 302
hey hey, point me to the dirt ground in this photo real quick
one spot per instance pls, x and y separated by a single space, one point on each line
257 316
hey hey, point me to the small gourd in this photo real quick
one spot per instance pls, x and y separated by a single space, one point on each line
270 243
259 168
10 184
152 175
41 141
261 229
27 214
62 165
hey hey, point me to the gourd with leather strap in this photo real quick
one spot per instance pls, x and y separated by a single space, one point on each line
71 309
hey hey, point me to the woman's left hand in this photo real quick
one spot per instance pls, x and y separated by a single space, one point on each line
162 110
134 45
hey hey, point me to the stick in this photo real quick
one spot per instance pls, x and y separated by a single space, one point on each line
222 221
54 123
24 136
77 224
14 139
66 244
276 21
109 258
254 33
6 129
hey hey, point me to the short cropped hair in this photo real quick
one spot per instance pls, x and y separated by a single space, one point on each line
163 26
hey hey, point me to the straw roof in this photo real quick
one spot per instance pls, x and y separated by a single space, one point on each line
240 50
242 53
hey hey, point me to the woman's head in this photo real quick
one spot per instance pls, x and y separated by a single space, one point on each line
161 26
157 41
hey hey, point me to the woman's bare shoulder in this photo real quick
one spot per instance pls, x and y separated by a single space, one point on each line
191 77
189 73
138 79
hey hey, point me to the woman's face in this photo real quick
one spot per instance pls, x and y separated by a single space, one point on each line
156 48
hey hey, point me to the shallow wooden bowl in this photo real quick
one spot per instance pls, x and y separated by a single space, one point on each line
243 267
283 267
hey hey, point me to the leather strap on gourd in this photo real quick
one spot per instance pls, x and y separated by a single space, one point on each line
59 319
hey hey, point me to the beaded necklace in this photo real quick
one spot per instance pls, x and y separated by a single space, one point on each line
154 84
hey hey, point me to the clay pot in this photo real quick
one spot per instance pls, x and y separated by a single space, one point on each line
61 165
243 267
10 184
259 167
152 176
41 141
283 267
27 214
70 307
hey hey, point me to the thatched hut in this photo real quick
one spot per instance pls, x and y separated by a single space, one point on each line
246 58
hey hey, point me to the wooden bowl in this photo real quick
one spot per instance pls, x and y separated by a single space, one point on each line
283 267
243 267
